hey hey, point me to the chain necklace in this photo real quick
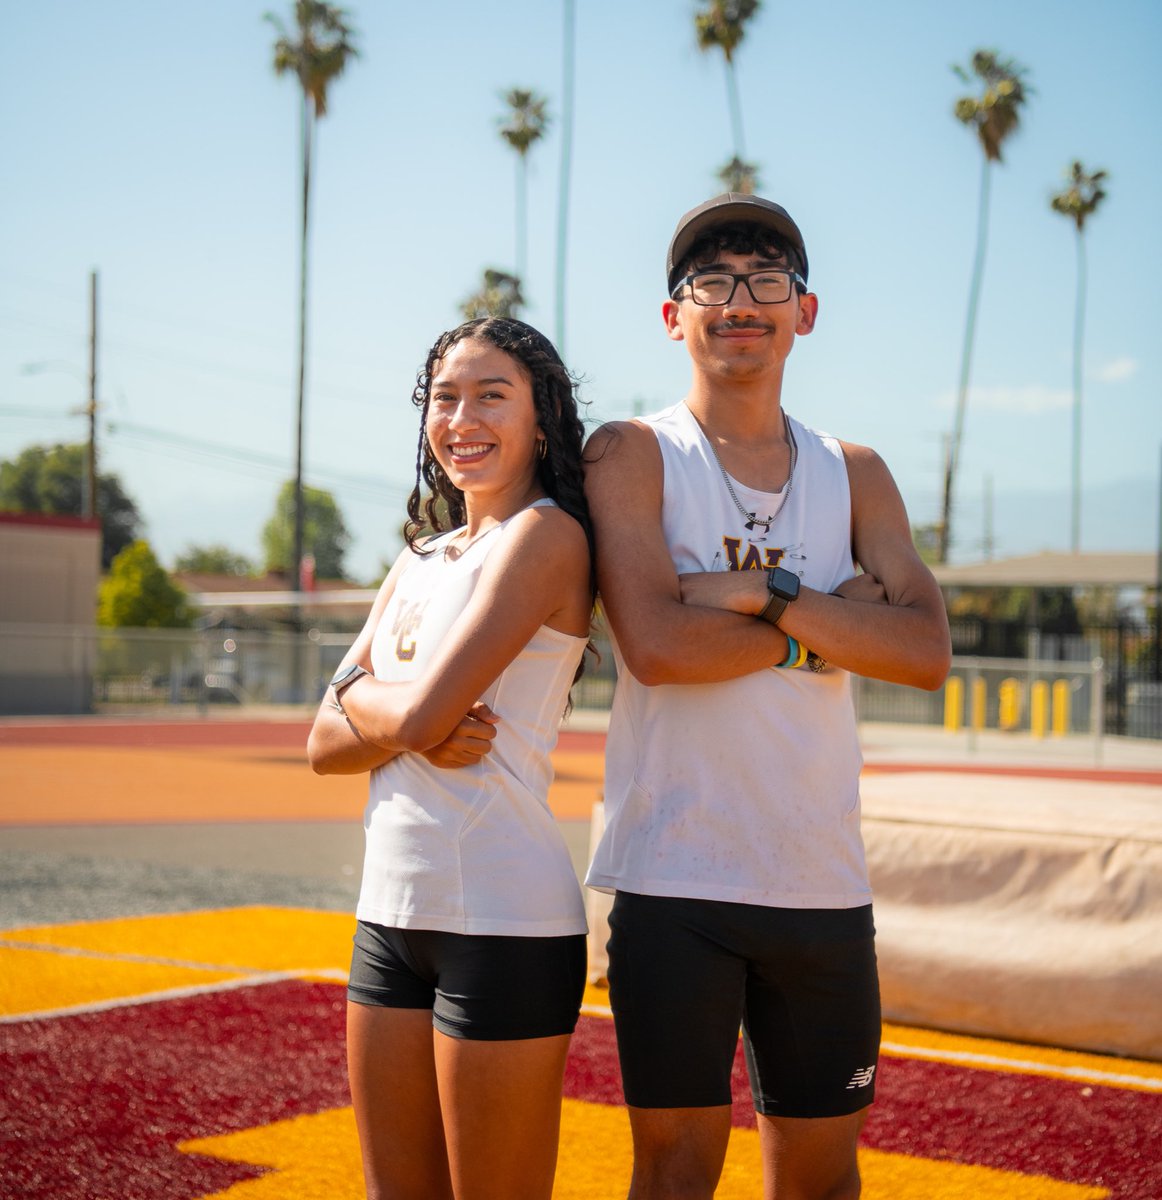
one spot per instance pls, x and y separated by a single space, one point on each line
753 519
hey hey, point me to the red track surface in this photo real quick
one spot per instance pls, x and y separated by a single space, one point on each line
95 1105
178 734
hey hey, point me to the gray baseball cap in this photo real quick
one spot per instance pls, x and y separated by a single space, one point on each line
729 207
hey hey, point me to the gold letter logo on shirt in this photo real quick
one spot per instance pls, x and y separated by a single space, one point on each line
407 621
754 558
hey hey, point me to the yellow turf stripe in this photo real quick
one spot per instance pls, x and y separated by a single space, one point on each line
33 981
235 939
151 954
317 1158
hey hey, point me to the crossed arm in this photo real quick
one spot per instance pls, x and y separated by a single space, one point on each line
337 747
888 623
537 575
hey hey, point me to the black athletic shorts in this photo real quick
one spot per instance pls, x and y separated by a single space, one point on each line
478 986
683 975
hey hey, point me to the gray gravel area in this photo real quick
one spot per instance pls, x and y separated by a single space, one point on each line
55 874
47 889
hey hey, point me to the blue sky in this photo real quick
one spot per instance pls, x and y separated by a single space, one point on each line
151 141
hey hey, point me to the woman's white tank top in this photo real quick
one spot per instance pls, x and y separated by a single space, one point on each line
473 849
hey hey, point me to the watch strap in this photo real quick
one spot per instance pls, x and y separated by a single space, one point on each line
338 686
773 609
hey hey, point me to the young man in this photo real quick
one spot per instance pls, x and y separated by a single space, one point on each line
727 538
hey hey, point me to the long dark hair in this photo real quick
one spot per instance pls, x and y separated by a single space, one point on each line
558 416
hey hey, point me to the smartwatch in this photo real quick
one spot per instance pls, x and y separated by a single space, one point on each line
782 588
344 678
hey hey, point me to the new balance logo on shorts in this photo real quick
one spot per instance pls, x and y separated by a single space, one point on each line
862 1078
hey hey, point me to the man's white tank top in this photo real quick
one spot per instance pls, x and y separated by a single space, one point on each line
473 849
746 790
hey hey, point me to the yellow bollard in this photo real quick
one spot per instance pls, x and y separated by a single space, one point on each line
953 703
1039 709
1010 703
1061 694
979 703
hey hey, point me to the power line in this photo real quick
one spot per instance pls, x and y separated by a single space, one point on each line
253 462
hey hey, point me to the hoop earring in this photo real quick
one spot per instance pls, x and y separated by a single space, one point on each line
543 453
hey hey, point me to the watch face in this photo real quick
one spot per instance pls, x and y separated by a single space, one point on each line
783 583
344 674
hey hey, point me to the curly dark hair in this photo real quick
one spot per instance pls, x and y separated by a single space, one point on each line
558 416
739 237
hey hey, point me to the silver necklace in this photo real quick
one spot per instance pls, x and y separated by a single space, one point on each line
753 519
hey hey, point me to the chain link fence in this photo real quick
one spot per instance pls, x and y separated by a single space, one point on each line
72 669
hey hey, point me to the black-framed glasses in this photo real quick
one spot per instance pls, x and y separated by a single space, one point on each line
716 288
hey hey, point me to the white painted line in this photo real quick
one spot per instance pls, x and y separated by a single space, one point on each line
972 1059
227 985
118 956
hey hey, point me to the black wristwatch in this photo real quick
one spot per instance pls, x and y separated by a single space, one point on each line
344 678
783 586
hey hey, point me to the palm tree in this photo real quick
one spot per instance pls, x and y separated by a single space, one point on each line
568 56
499 295
524 124
994 115
1078 201
316 51
739 176
721 25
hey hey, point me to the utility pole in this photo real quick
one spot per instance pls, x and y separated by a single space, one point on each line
1158 593
89 496
988 541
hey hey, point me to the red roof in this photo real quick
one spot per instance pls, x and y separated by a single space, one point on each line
49 520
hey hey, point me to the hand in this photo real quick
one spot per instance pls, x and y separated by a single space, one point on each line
469 742
864 587
736 591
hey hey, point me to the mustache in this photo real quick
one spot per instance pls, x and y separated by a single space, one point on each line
746 323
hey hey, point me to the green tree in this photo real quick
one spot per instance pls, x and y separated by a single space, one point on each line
994 114
926 539
316 52
324 533
214 560
499 295
1078 201
521 125
138 594
739 176
49 479
721 25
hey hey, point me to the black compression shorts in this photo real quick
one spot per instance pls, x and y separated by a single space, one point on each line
683 975
479 986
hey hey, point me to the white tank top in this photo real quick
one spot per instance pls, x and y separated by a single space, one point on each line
746 790
474 849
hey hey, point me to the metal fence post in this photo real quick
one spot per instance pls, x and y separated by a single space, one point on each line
1098 706
973 677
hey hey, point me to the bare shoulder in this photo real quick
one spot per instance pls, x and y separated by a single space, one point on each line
870 479
623 471
550 535
862 460
619 441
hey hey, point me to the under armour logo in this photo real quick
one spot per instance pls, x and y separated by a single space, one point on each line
861 1078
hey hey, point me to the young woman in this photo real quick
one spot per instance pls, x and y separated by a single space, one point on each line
469 959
